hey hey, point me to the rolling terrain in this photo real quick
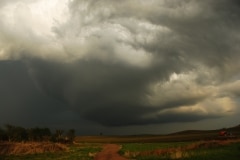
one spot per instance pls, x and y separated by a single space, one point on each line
187 135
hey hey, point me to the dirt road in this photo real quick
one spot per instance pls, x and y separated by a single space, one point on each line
109 152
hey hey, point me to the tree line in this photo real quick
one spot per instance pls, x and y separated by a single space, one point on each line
13 133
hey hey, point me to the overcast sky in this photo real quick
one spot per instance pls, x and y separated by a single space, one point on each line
120 67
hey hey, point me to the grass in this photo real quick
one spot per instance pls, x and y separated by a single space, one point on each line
231 152
75 152
146 150
8 148
135 147
188 145
208 150
147 138
202 150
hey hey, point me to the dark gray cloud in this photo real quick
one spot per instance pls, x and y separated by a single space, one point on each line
123 63
20 99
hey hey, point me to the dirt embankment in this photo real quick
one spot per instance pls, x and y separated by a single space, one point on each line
30 148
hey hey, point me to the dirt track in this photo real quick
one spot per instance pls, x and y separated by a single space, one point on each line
109 152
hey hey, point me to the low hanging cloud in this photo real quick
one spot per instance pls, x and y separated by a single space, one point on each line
130 62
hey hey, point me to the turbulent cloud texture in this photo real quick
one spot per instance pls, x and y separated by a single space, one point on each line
121 63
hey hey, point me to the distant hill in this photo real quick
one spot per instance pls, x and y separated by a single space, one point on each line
183 136
235 129
187 132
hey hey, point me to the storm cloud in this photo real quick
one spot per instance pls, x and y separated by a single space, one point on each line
117 64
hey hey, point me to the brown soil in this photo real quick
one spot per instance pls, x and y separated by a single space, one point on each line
109 152
30 148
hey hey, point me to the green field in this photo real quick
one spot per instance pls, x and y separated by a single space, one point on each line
182 151
202 150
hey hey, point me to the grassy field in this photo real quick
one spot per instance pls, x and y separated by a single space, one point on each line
139 147
186 145
146 138
199 150
204 150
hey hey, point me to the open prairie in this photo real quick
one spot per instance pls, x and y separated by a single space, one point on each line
188 150
185 145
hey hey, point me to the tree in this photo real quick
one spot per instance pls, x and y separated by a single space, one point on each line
15 133
9 132
45 134
3 135
58 136
70 135
20 134
39 134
